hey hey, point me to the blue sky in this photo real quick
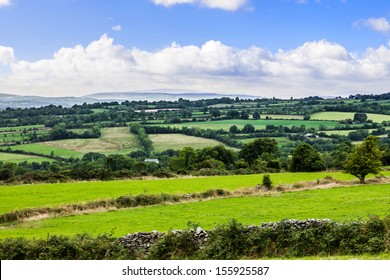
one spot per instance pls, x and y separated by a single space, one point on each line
268 48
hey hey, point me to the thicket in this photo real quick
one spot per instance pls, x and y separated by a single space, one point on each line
229 241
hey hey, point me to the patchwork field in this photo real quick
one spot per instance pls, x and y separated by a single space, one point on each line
339 204
339 116
113 140
164 142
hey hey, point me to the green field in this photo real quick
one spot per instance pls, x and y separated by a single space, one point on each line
258 124
4 157
40 195
117 140
339 204
162 142
45 149
339 116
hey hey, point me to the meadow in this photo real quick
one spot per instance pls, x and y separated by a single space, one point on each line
10 157
339 116
19 197
258 124
342 204
162 142
116 140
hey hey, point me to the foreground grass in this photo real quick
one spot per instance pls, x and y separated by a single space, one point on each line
41 195
341 204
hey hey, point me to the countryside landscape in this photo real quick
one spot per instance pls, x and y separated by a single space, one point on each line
186 130
90 174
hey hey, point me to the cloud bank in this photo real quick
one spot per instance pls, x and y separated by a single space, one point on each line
314 68
231 5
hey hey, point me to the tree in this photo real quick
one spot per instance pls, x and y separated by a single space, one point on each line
256 115
251 151
248 128
360 117
364 159
267 181
233 129
305 158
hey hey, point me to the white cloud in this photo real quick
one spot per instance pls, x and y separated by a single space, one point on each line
231 5
377 24
314 68
117 28
6 55
4 3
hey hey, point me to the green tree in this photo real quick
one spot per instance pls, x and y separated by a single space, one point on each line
305 158
360 117
364 159
251 151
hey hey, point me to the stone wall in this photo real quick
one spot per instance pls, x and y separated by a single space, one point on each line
144 240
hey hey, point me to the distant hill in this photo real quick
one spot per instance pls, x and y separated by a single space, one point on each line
157 96
19 101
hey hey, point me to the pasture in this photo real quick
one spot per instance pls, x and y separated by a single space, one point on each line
341 204
39 195
162 142
339 116
113 141
10 157
258 124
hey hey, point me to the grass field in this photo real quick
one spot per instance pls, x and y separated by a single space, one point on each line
4 157
113 140
40 195
164 142
339 204
338 116
258 124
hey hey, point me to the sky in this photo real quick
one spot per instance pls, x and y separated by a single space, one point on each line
268 48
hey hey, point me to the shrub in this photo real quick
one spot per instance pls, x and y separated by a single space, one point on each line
267 181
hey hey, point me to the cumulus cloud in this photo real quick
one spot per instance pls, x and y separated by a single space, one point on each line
377 24
314 68
230 5
4 3
117 28
6 55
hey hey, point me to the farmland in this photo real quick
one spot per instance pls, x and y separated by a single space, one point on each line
164 142
339 204
8 157
113 140
258 124
339 116
40 195
138 151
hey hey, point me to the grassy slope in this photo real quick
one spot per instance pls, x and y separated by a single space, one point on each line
339 204
40 195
